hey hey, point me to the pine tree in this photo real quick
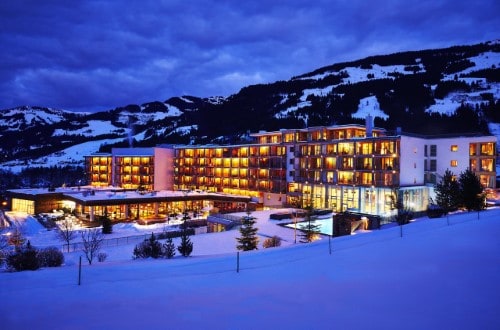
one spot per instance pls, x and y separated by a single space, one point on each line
186 246
148 248
310 231
107 225
471 191
448 192
169 248
248 240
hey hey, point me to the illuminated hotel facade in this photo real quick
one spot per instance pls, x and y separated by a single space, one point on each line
348 167
132 168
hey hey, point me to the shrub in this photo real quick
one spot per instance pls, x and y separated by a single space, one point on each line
24 258
101 256
274 241
50 257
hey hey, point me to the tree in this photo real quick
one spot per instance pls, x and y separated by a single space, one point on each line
66 231
185 219
148 248
248 239
403 211
107 225
309 232
169 248
471 191
92 240
186 246
448 192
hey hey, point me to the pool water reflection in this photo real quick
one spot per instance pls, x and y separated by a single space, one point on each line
325 225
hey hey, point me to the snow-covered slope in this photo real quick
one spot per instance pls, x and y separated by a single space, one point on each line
437 276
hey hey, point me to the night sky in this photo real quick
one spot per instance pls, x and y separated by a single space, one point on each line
98 55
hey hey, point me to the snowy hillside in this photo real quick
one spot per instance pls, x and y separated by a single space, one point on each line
419 91
442 274
24 117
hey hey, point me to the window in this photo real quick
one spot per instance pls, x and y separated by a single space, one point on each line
454 163
433 150
454 148
473 164
472 149
487 149
433 165
487 165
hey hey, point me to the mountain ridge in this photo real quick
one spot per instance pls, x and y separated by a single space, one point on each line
433 91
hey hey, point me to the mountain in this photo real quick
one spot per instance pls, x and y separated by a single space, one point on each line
434 91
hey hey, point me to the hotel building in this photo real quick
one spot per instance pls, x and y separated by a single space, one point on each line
345 167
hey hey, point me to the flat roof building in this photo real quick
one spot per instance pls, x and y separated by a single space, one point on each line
344 167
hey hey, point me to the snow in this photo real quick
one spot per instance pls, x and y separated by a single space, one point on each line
369 106
71 156
30 115
185 99
442 274
485 60
93 128
358 74
184 130
286 112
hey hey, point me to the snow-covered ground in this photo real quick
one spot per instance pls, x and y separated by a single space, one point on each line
442 274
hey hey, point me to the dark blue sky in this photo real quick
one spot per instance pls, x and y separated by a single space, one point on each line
98 55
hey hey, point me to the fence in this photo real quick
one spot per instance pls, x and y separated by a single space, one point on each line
256 259
118 241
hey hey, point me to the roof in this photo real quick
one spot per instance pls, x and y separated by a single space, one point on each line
112 196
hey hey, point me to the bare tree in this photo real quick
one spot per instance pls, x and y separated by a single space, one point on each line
66 231
92 240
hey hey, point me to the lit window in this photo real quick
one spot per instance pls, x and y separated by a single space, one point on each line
454 163
454 147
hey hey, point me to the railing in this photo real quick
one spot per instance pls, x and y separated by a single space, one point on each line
118 241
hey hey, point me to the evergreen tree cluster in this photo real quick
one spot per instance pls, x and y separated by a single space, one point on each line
152 248
465 192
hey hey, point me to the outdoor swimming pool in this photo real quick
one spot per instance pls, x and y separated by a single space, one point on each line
325 225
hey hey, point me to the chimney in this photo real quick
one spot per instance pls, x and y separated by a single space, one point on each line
398 130
369 126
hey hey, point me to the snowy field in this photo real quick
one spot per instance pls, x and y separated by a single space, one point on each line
442 274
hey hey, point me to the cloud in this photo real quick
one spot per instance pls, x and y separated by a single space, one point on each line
102 54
